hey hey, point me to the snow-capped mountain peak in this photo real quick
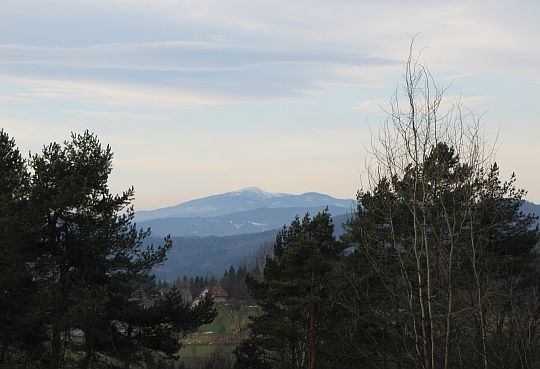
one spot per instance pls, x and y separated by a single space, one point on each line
256 191
249 198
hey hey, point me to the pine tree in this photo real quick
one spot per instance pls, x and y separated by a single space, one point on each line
157 327
293 297
455 262
92 261
20 325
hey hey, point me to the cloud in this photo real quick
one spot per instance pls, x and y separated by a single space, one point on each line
447 103
371 105
108 94
174 69
190 73
15 99
177 55
246 50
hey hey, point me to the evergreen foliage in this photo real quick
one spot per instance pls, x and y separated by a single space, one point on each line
73 261
234 282
294 298
21 328
446 281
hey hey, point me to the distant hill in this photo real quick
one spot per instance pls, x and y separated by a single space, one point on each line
215 232
250 221
210 255
531 208
243 200
215 254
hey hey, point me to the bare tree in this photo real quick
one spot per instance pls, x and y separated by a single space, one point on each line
256 262
443 238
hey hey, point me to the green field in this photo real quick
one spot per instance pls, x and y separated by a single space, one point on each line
218 338
229 321
195 351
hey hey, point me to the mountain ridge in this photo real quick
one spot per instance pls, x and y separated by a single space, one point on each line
211 254
248 198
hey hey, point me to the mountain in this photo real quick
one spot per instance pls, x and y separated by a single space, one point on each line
243 200
250 221
215 232
212 233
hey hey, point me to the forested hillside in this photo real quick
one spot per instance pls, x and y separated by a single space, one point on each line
250 221
211 255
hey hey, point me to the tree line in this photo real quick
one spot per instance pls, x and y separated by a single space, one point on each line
233 282
75 279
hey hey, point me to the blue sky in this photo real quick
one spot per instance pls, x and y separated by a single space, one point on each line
201 97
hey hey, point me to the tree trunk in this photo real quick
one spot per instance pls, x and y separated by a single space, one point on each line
4 352
312 337
127 362
56 347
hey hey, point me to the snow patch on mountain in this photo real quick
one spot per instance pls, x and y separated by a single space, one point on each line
256 224
256 191
246 199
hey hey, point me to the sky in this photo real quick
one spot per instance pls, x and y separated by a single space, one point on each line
204 97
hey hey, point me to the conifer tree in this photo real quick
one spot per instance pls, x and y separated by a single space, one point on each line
444 272
20 325
293 297
92 260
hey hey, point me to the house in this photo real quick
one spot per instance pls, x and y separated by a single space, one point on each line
219 295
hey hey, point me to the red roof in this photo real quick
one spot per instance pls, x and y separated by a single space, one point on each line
218 291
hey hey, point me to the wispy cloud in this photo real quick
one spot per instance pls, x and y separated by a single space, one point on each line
187 74
14 99
371 105
175 55
192 77
108 94
448 102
